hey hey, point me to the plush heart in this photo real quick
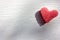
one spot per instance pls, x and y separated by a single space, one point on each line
48 15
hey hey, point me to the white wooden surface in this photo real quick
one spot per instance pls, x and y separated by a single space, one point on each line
18 22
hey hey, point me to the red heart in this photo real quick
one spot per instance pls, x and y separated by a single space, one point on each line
48 15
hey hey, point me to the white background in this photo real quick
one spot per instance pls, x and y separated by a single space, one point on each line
18 22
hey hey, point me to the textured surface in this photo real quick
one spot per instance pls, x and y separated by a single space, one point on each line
48 15
18 22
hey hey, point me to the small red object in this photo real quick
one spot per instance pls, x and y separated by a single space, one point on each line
48 15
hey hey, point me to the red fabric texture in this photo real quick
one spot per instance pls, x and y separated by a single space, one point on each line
48 15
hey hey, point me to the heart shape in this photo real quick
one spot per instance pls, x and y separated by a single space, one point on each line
48 15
